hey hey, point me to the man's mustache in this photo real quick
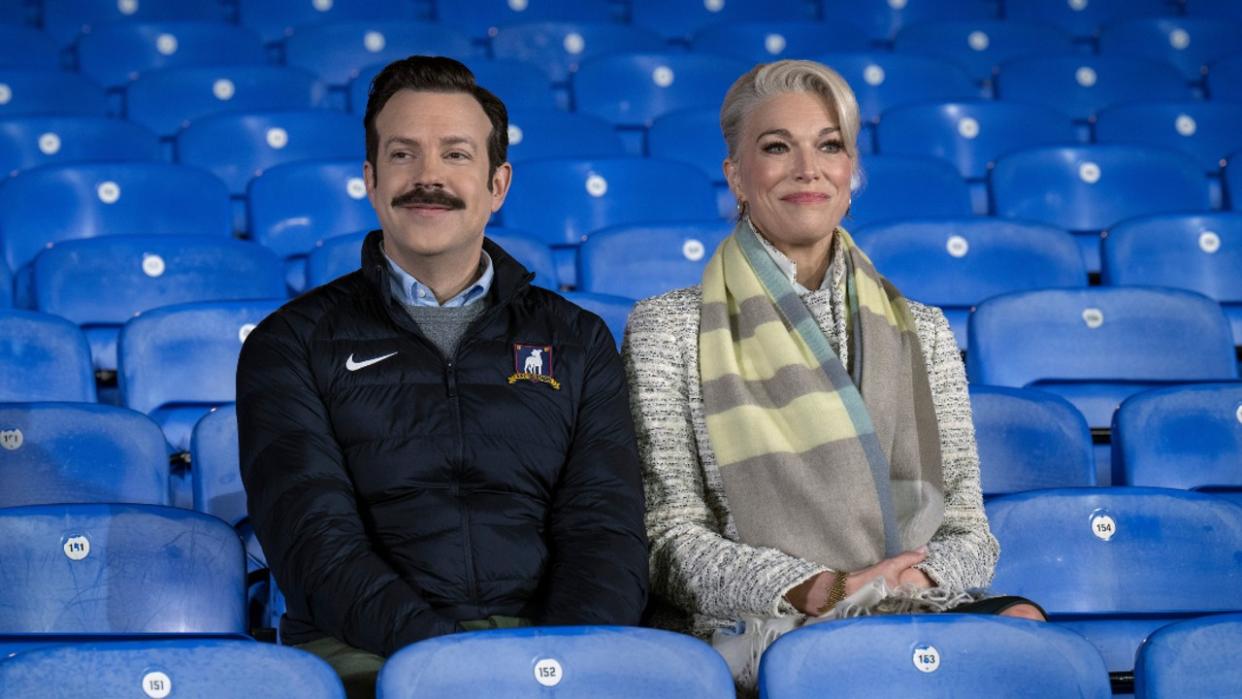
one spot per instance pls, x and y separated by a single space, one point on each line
428 197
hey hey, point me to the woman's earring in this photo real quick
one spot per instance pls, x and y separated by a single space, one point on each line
741 209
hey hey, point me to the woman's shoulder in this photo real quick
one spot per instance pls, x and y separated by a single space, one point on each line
929 319
667 311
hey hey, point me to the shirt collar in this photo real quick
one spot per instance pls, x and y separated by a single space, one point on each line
790 268
412 292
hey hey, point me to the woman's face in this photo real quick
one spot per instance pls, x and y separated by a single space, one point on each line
792 169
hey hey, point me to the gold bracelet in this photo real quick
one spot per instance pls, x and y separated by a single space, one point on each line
836 593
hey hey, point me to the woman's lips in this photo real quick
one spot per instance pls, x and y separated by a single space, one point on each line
805 198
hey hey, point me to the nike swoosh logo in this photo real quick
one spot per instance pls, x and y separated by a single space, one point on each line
355 366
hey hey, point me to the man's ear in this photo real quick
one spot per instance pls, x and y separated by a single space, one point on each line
501 179
368 178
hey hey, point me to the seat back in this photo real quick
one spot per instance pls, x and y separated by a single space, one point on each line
484 18
1029 440
678 20
691 136
80 452
981 45
633 89
1189 43
606 662
1205 131
65 20
108 570
1190 659
113 54
530 252
613 310
275 20
952 655
765 41
1225 79
27 47
1199 252
884 21
1184 437
337 52
27 142
642 260
551 133
33 91
216 470
58 203
519 85
43 358
189 667
294 205
902 187
884 80
1080 86
1082 19
560 47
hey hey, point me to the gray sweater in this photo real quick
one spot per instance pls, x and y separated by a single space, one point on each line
697 562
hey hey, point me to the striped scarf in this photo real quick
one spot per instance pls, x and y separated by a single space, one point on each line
842 468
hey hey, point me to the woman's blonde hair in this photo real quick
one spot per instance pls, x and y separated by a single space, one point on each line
769 79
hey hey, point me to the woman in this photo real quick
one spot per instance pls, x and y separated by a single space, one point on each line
805 430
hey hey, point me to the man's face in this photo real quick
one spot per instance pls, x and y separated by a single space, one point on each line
429 183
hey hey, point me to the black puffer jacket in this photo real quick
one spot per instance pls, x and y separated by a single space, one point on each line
398 498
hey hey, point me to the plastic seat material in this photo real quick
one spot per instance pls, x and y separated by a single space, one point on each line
1189 43
971 135
680 21
103 282
488 18
945 655
1097 346
596 193
550 133
1224 80
957 263
884 80
114 54
6 287
690 136
80 452
1111 563
902 187
1205 131
1190 658
108 570
275 20
57 203
66 20
633 89
883 21
643 260
981 45
240 147
559 48
217 483
1081 86
766 41
606 662
27 47
337 52
47 91
1029 440
27 142
613 310
200 667
43 358
166 101
1199 252
1184 437
1083 18
520 86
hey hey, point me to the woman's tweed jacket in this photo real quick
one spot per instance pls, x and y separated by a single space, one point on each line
697 563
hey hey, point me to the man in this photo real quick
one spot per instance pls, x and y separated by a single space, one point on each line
430 444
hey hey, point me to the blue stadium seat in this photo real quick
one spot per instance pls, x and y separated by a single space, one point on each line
1081 86
693 136
276 19
27 47
549 133
339 51
80 452
633 89
1233 182
946 655
6 287
681 20
16 13
1224 79
980 45
103 282
591 194
642 260
970 135
604 662
178 362
43 358
214 455
108 570
957 263
1086 189
1030 440
114 54
1113 564
239 147
614 310
1097 346
200 667
165 101
1199 252
484 18
1190 658
901 187
884 80
1206 131
560 47
531 252
1083 18
66 20
883 20
1185 437
1227 9
31 91
764 41
1188 43
65 202
27 142
295 205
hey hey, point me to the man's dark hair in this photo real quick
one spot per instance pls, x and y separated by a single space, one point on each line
436 74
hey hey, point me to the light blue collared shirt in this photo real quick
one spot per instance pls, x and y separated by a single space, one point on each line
412 292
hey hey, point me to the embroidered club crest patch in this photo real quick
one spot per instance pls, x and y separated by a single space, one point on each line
533 363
